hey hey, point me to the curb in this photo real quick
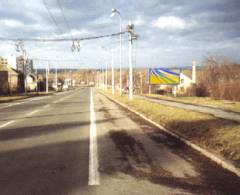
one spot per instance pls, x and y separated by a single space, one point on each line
223 163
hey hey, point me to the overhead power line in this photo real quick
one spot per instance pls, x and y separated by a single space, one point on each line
61 39
56 60
64 16
51 16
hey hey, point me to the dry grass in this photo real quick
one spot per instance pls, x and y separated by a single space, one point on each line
205 101
217 135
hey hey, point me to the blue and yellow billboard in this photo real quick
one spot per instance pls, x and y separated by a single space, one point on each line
163 76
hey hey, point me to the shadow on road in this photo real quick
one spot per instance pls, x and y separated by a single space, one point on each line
137 163
31 131
50 169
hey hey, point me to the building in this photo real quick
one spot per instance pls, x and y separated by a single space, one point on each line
187 78
11 81
31 81
68 84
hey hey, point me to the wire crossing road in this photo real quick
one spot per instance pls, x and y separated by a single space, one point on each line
80 142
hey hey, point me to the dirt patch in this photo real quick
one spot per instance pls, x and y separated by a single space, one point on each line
136 162
130 147
135 159
105 111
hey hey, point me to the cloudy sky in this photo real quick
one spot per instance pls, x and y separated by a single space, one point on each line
171 32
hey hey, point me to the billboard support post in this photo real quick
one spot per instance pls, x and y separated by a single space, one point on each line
175 90
149 88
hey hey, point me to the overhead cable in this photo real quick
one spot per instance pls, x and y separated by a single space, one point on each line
61 39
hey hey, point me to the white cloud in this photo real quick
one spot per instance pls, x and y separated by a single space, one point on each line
139 21
170 23
11 23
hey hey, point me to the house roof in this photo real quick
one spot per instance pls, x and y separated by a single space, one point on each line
187 72
4 66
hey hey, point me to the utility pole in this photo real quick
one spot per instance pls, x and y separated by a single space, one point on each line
120 71
102 77
24 70
106 75
106 70
97 78
141 83
130 87
47 71
36 72
114 12
132 36
113 87
56 77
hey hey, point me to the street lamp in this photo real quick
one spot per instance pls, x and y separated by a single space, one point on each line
132 36
112 65
114 12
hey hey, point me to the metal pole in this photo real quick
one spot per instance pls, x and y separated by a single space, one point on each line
130 68
97 79
71 79
56 78
113 88
24 71
106 75
120 79
37 79
47 70
10 83
102 77
115 11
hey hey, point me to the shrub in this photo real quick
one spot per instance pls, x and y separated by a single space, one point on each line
220 79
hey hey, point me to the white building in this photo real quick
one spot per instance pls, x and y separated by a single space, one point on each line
186 81
31 82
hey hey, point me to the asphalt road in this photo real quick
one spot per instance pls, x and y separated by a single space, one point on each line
64 144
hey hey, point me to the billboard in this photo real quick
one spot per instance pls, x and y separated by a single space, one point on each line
163 76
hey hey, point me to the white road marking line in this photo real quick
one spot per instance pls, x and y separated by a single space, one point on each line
29 100
6 124
46 106
31 113
93 175
40 98
10 105
62 99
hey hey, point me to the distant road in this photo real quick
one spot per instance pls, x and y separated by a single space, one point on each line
229 115
78 143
